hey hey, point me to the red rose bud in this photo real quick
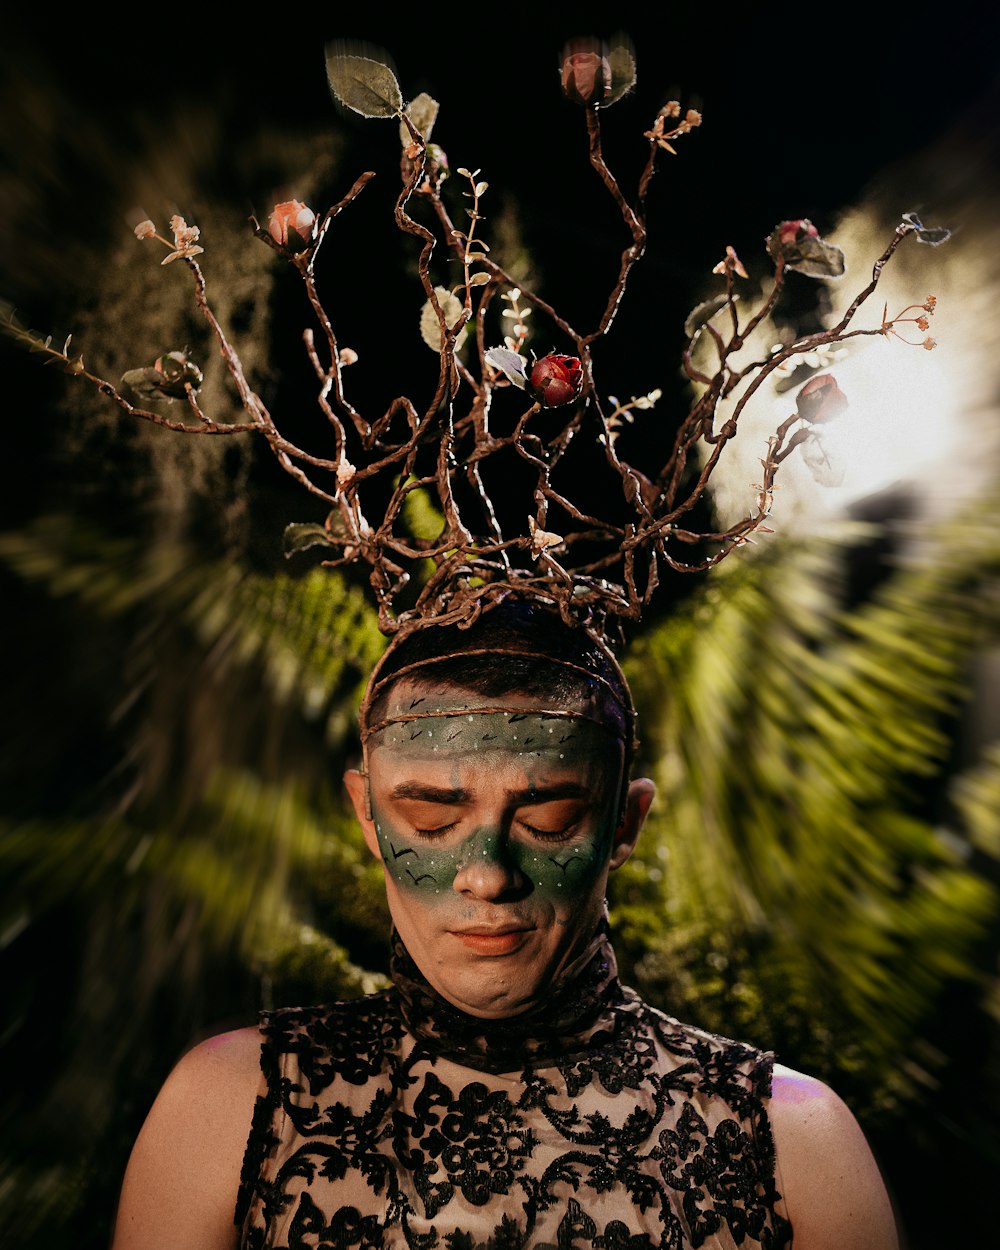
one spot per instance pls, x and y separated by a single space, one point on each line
293 225
556 380
790 232
586 73
821 399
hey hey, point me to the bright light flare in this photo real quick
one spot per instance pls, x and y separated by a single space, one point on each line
922 422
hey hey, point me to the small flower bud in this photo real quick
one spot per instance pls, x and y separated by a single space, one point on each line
437 160
586 73
292 225
555 380
790 232
820 400
145 230
185 240
177 372
541 539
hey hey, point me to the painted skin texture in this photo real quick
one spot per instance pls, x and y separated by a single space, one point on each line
497 831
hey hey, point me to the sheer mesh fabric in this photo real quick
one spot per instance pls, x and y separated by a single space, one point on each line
595 1121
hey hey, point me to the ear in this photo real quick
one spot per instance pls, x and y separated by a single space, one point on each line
356 784
640 795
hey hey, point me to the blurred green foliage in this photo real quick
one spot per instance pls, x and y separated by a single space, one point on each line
818 875
803 844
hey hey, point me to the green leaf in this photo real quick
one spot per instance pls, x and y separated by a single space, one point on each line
367 86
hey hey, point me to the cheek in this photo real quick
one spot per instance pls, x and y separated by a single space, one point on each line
415 867
565 871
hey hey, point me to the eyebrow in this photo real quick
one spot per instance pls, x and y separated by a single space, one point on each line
426 793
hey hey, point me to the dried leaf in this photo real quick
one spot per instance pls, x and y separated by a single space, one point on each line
430 327
817 259
932 235
422 112
147 383
827 467
702 313
622 61
301 535
367 86
509 363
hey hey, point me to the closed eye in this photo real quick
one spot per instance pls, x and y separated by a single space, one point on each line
556 821
430 819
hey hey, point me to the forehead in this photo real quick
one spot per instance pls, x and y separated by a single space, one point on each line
452 729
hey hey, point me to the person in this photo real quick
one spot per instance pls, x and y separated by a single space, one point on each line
507 1091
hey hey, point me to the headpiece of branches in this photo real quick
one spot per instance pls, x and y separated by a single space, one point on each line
496 420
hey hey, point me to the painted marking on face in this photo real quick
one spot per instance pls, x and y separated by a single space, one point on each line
406 850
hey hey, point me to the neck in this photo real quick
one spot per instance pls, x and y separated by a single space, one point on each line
566 1022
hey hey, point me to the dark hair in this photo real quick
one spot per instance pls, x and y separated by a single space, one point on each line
541 656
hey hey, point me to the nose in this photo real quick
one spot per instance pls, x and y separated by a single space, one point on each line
489 869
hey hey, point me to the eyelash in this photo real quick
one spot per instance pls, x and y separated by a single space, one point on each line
550 835
437 831
544 835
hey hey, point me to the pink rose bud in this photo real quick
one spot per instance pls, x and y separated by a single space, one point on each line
293 225
556 380
586 73
821 399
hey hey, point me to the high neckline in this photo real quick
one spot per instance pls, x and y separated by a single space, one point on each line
574 1010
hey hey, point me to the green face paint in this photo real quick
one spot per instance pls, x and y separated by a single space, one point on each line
552 867
444 809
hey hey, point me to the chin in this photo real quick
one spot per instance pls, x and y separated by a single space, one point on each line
487 1002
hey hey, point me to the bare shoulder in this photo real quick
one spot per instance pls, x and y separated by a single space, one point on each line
834 1194
182 1179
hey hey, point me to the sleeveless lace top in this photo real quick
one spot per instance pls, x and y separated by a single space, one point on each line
398 1121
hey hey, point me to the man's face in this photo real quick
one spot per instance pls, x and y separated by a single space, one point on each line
497 831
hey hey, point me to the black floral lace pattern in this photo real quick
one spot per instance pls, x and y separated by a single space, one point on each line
397 1121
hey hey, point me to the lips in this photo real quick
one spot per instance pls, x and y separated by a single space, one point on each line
492 941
